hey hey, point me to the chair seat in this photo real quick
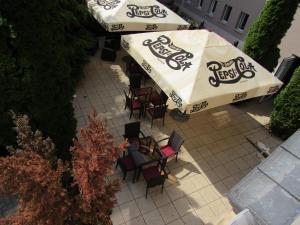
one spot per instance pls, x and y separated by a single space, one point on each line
128 162
151 110
136 104
134 140
167 150
150 172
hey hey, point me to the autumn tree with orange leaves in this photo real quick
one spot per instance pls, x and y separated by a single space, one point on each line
30 174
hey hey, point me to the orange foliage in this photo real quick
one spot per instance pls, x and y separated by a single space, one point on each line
42 200
94 155
29 174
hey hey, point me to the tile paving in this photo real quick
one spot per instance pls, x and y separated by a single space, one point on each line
214 157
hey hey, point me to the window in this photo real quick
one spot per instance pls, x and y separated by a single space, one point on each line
212 7
242 21
226 13
200 3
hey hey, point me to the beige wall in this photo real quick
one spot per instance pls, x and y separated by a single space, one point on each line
227 30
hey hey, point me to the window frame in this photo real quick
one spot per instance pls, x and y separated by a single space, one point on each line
242 17
212 7
200 4
226 12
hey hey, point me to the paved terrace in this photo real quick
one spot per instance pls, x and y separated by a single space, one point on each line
214 157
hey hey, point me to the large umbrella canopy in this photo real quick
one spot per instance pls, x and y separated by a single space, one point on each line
135 15
198 69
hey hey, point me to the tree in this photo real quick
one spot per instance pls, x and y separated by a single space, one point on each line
285 118
43 197
44 46
28 174
266 33
93 157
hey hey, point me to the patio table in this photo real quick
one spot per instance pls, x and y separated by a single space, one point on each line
141 154
141 92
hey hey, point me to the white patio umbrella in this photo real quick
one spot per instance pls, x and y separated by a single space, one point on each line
135 15
198 69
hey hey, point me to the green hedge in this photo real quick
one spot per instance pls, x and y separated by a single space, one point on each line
44 45
266 33
285 118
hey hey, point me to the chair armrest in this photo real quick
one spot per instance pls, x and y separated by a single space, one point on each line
141 132
150 162
145 147
162 139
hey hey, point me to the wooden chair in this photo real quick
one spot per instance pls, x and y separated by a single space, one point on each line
173 146
133 132
156 112
154 175
133 104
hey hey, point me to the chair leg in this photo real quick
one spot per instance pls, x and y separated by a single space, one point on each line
176 156
124 175
138 174
147 191
151 122
162 188
134 175
131 112
163 121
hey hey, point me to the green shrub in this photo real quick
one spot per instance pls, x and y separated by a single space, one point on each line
266 33
44 45
285 118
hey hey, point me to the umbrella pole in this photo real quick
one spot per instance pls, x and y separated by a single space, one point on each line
177 115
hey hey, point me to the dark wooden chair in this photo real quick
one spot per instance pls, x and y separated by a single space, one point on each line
154 175
156 112
173 146
133 104
126 164
108 54
133 132
135 157
163 97
134 82
112 43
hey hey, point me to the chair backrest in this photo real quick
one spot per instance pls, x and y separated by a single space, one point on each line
175 141
128 99
153 176
135 81
163 97
159 111
132 130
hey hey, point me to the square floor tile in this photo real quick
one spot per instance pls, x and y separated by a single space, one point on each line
136 221
168 213
192 219
205 214
209 194
145 204
182 206
174 192
124 196
218 207
196 200
129 210
153 218
159 198
176 222
116 216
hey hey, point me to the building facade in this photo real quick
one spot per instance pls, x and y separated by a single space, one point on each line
231 19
